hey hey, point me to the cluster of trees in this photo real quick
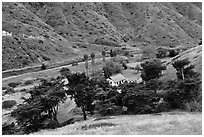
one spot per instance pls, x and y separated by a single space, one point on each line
41 106
162 53
151 52
109 66
96 96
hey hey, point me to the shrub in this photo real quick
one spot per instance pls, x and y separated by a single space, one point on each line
8 129
108 108
9 90
8 104
43 67
14 84
46 58
28 82
127 53
4 88
193 106
65 71
161 53
173 53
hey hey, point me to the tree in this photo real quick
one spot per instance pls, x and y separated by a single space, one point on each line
173 53
138 99
152 69
65 71
40 106
86 63
82 90
111 53
138 67
200 43
111 68
161 53
184 69
104 55
93 62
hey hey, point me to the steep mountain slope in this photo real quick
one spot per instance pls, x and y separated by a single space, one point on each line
30 40
47 31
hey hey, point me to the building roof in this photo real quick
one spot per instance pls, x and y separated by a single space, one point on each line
117 77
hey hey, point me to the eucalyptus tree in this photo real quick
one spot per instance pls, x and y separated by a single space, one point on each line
86 63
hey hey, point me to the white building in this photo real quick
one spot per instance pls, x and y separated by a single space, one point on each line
117 79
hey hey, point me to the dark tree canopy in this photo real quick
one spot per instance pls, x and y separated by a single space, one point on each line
184 69
44 98
152 69
81 88
111 68
65 71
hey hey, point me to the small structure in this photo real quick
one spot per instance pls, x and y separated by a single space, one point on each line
117 79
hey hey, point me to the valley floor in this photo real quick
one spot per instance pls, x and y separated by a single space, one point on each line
168 123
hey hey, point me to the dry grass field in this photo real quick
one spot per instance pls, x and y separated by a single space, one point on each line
168 123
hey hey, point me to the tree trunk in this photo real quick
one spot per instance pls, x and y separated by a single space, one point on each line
55 115
104 59
93 66
86 67
182 74
84 113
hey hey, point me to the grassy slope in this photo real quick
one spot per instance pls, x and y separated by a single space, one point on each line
170 123
195 57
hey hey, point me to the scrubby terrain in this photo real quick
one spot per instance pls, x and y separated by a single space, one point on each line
35 32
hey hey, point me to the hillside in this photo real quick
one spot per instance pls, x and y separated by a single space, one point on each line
35 32
194 55
170 123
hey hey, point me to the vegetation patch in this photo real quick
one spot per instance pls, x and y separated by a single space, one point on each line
14 84
97 125
8 104
28 82
102 118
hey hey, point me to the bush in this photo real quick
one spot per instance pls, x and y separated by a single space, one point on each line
28 82
8 129
46 58
9 90
193 106
65 71
14 84
8 104
108 108
173 53
4 88
43 67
